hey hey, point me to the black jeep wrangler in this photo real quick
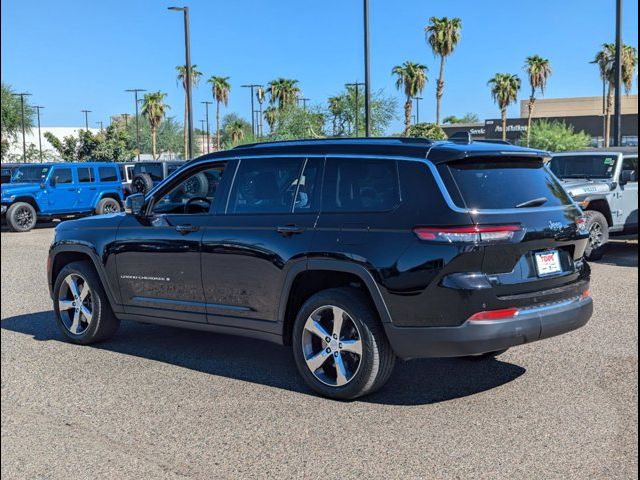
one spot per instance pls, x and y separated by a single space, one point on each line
148 174
353 251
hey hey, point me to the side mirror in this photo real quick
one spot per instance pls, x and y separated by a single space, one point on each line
134 204
627 176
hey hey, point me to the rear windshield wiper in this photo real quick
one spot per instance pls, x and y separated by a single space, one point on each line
536 202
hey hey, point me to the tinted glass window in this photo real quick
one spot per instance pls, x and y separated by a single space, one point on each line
308 191
172 168
154 170
108 174
62 175
195 194
631 163
265 186
507 183
360 185
583 166
29 174
85 175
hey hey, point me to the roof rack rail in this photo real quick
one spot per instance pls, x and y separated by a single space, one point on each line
311 141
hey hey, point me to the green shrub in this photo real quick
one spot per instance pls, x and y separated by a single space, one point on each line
557 136
426 130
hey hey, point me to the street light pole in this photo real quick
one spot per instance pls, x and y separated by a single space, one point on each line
187 56
356 85
100 123
417 99
617 123
86 119
126 120
203 133
38 108
135 92
304 103
206 107
253 122
24 142
367 76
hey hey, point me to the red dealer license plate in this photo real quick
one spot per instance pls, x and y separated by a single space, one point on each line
548 263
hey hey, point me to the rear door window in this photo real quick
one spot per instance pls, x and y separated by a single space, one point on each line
108 174
360 185
154 170
85 175
507 183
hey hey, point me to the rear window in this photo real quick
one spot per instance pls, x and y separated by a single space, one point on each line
583 166
108 174
486 184
154 170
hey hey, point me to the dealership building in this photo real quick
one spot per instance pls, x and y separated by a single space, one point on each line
583 113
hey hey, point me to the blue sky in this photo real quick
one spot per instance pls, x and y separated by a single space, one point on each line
73 55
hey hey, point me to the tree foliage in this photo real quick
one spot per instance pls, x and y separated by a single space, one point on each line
426 130
341 113
11 122
411 78
467 118
112 144
557 136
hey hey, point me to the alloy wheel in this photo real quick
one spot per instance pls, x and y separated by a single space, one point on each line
110 208
24 217
596 236
75 304
332 346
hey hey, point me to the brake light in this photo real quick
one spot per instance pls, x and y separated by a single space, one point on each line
469 234
495 314
585 294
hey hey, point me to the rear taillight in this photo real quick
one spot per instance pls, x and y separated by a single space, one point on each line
494 314
585 294
469 234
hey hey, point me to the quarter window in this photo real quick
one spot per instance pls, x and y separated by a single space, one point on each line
62 175
108 174
85 175
360 185
631 163
265 186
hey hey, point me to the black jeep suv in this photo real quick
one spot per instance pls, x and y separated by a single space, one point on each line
352 251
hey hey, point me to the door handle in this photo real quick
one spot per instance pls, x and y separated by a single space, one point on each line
288 230
187 228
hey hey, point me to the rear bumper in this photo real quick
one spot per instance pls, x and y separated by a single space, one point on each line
476 337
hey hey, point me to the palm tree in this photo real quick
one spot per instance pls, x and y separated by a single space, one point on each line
412 77
154 109
443 34
283 92
220 87
538 70
504 90
271 116
260 96
235 130
182 78
605 59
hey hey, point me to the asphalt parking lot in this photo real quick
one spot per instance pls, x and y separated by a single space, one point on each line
159 402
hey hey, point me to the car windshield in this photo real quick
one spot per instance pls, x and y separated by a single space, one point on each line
583 166
30 174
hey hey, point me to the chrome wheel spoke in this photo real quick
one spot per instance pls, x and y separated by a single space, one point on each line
353 346
316 361
76 322
341 371
338 318
65 305
85 291
86 313
73 286
318 330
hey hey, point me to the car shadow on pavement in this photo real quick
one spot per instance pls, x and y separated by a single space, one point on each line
415 382
620 254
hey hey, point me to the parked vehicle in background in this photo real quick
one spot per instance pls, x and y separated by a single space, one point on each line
353 251
45 191
7 171
126 173
147 175
604 182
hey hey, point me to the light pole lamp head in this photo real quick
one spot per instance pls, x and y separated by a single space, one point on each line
179 9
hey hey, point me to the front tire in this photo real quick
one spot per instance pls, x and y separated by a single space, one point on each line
598 235
82 309
339 345
21 217
107 205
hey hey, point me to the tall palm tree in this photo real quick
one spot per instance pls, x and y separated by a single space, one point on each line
605 59
154 109
220 88
235 130
182 79
504 90
283 91
538 70
271 116
260 96
443 34
412 78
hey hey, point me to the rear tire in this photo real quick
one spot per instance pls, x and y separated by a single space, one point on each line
598 235
21 217
83 312
353 360
108 205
